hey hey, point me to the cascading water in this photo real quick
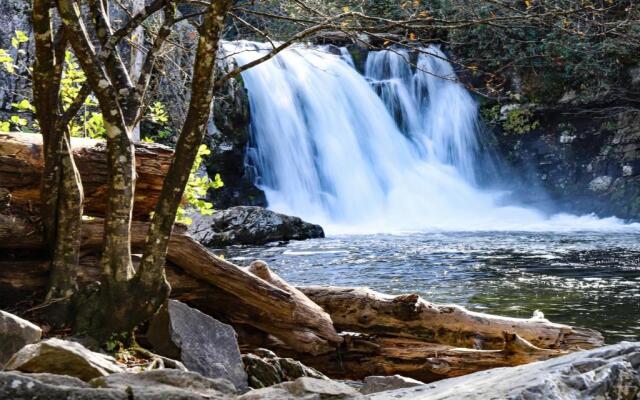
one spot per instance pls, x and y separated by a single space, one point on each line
394 150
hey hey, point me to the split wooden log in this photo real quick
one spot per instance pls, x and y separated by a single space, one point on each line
21 164
363 355
409 316
231 292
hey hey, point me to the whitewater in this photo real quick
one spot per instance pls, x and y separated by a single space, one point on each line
393 150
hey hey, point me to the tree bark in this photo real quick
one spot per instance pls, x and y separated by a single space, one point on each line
21 167
61 189
409 316
363 355
151 272
214 285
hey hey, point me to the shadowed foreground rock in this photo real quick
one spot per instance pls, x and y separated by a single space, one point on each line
266 369
202 343
167 384
15 333
611 372
250 225
63 357
375 384
305 389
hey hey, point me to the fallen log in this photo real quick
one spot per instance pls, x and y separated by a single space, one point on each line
409 316
21 165
359 355
363 355
243 298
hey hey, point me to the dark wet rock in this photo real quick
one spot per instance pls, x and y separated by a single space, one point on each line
21 386
229 139
167 384
266 369
305 388
250 225
15 333
63 357
375 384
611 372
203 344
578 164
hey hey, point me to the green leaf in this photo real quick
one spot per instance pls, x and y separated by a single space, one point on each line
18 121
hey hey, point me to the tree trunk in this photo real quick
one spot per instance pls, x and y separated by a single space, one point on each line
151 272
214 285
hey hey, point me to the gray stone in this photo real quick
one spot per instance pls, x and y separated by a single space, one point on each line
269 369
15 333
374 384
305 389
250 225
202 343
63 357
600 183
611 372
167 384
20 386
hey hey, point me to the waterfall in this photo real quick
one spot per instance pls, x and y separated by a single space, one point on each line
392 150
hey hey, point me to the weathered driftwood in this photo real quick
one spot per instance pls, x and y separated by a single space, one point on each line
278 310
21 165
409 316
358 356
362 355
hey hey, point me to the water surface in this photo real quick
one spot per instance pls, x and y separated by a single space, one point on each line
589 279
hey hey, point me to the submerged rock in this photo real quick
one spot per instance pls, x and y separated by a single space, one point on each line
250 225
15 333
611 372
266 369
374 384
63 357
202 343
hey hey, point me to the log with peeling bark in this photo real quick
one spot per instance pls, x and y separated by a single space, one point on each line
278 310
409 316
397 334
363 355
21 165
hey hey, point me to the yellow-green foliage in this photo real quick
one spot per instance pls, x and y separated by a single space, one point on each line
88 123
197 188
520 121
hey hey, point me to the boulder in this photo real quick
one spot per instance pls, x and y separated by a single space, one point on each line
167 384
305 389
266 369
15 333
611 372
19 386
250 225
374 384
63 357
202 343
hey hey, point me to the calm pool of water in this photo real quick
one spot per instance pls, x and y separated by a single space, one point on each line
585 278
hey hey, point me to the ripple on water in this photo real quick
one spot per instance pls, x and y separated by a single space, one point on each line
581 278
